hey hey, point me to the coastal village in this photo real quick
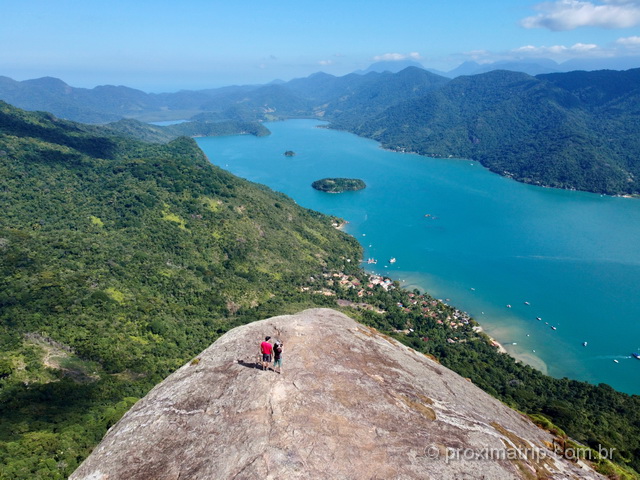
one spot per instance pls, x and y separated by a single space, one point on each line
412 304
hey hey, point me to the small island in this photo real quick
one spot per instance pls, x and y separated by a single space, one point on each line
338 185
289 153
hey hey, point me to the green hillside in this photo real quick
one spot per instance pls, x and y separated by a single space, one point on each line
122 260
157 134
534 130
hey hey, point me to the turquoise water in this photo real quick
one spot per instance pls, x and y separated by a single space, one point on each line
488 242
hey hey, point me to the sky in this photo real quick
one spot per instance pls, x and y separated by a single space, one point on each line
166 46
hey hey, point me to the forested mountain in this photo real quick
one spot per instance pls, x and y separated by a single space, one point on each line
376 94
322 87
346 100
121 260
597 89
161 134
298 97
102 104
578 131
266 102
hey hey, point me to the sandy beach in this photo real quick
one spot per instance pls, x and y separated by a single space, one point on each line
517 353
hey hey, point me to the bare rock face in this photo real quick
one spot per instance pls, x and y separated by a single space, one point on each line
351 404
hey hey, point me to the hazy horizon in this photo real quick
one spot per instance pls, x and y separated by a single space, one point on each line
160 47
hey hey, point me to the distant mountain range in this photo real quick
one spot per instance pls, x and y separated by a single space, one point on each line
393 66
538 66
575 130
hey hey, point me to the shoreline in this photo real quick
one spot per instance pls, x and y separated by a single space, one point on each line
517 353
527 358
635 196
340 226
478 328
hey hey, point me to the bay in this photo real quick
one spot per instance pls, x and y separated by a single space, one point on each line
477 240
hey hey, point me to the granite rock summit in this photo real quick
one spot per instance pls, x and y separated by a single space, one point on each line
351 404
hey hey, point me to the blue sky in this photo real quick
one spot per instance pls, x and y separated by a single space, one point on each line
160 45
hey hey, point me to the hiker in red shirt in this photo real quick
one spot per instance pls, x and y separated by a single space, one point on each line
266 349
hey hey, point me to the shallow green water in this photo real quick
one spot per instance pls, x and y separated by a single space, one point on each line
488 242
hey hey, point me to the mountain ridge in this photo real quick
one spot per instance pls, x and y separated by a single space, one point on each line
534 129
499 118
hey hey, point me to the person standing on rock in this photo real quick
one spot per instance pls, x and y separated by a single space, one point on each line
277 356
266 349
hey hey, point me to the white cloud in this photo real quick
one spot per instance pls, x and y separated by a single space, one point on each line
629 42
394 57
622 48
571 14
560 52
325 63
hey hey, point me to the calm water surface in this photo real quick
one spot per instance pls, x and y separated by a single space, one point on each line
480 240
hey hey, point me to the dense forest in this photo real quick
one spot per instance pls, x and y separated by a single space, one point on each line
197 128
536 130
122 260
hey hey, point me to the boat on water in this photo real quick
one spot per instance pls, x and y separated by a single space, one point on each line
392 260
616 361
636 355
584 344
539 318
508 306
372 260
553 328
527 303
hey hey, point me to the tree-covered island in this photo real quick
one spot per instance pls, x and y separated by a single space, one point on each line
338 185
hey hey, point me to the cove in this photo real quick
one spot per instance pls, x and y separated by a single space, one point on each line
506 252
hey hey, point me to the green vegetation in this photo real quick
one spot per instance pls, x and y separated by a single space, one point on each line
122 261
532 129
338 185
157 134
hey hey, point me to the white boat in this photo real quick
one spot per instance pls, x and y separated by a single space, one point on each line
584 344
616 361
392 260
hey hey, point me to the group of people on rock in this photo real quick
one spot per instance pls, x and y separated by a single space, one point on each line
271 353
